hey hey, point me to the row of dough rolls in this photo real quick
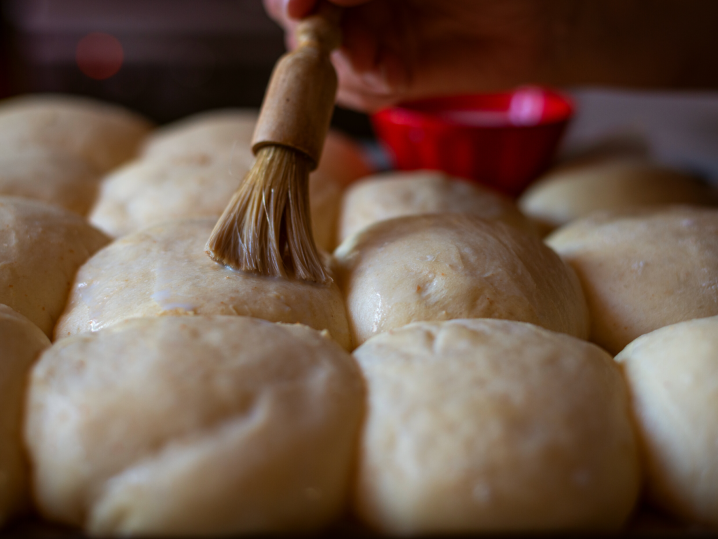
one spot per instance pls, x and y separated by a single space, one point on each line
649 273
478 260
470 425
54 151
217 424
455 436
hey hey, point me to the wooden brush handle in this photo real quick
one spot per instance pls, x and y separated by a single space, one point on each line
298 105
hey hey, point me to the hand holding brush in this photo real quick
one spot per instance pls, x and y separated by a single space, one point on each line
266 228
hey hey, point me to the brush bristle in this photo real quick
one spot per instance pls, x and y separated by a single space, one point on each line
266 228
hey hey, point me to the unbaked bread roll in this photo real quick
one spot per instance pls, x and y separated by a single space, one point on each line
227 134
452 265
396 194
672 375
148 192
643 269
205 135
490 425
193 167
164 270
577 189
151 191
230 131
104 135
41 247
21 342
48 175
194 426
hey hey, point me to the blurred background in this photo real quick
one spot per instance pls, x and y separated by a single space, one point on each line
170 58
164 58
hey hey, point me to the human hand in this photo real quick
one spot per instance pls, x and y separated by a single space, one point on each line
396 50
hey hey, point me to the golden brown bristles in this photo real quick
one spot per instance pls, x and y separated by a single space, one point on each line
266 228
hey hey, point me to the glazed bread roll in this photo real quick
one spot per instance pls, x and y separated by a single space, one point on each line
164 270
41 248
493 426
194 426
149 192
452 265
396 194
643 269
672 376
104 135
48 175
21 342
577 189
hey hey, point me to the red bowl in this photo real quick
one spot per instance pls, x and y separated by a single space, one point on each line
502 140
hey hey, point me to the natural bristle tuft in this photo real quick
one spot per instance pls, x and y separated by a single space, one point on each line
266 228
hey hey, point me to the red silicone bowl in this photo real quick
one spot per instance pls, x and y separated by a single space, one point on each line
502 140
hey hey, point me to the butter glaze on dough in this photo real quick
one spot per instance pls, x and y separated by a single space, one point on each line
164 270
445 266
41 248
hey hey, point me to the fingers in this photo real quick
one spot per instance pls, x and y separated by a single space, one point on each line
369 89
398 50
371 72
374 63
368 103
275 9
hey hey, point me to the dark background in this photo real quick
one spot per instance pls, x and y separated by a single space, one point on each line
186 56
180 56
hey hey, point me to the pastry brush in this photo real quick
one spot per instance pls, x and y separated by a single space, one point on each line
266 227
